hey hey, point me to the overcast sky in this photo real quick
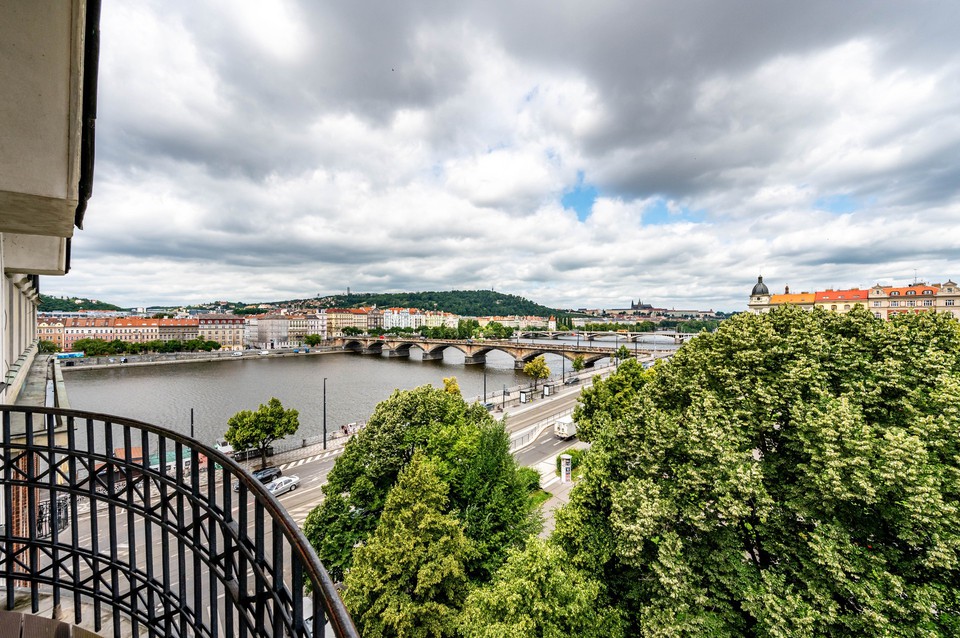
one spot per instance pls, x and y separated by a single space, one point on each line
581 154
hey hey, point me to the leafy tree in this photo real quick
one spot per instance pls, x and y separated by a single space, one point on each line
248 430
46 346
450 385
467 328
352 331
538 369
93 347
623 353
472 452
608 399
538 593
410 579
579 363
313 340
793 473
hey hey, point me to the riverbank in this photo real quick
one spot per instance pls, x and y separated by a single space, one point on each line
167 358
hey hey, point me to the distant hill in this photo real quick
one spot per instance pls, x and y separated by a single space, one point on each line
471 303
72 304
459 302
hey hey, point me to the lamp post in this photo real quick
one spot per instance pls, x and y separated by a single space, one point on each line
324 413
484 383
503 399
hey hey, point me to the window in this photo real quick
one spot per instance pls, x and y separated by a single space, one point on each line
949 302
846 306
894 304
894 293
877 315
911 303
833 307
911 292
928 292
928 302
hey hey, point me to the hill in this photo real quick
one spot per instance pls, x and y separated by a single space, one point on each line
459 302
72 304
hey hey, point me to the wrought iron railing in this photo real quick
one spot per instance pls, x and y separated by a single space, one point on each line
156 540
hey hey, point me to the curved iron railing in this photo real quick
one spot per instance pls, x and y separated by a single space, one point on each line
156 539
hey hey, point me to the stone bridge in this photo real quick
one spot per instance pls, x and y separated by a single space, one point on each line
591 335
474 350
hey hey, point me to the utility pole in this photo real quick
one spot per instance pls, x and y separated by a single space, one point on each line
324 413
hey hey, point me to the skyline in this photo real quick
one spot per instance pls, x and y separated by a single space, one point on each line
578 156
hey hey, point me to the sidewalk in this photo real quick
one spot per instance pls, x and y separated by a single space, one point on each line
560 492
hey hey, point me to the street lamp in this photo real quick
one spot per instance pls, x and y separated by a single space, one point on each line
324 413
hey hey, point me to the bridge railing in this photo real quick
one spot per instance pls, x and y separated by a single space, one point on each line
151 531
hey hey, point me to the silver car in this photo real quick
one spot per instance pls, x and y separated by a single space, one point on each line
283 484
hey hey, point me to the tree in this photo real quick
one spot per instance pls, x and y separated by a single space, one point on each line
410 579
46 346
623 353
313 340
249 430
451 386
793 473
608 399
473 457
537 368
578 363
538 593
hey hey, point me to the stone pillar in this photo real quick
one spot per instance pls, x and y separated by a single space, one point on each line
397 353
475 359
435 355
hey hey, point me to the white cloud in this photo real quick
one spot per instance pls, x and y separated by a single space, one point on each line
280 149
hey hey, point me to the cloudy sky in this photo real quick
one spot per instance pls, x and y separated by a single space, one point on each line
576 153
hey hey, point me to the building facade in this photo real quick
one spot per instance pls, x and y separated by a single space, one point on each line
227 330
883 302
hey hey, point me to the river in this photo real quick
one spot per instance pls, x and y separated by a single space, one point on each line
215 391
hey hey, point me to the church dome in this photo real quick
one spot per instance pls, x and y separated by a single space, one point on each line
760 288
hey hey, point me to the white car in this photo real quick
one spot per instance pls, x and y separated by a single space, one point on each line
264 352
283 484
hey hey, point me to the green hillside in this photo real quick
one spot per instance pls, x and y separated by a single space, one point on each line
72 304
460 302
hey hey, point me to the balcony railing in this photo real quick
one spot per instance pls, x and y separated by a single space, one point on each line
127 523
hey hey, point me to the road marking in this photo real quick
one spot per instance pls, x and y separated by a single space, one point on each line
311 459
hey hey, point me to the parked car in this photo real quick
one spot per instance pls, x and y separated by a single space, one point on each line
264 475
572 381
264 352
237 353
283 484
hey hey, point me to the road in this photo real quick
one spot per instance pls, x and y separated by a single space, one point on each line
313 470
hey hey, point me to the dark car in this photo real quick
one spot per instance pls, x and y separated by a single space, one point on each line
572 381
264 475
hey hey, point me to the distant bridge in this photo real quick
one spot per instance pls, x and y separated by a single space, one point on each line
474 350
591 335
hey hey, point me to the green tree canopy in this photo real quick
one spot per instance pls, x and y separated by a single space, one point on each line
410 578
793 473
248 430
579 363
471 450
538 369
539 594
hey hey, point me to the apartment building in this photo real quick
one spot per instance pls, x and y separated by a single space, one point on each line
883 301
227 330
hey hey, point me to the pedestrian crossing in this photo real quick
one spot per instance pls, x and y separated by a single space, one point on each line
310 459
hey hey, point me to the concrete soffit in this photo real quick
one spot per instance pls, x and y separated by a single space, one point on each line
34 254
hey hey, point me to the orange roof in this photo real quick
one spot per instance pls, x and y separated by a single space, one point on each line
792 298
917 290
854 294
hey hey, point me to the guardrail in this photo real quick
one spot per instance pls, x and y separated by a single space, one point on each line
148 532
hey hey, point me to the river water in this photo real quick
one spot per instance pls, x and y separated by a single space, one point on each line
215 391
